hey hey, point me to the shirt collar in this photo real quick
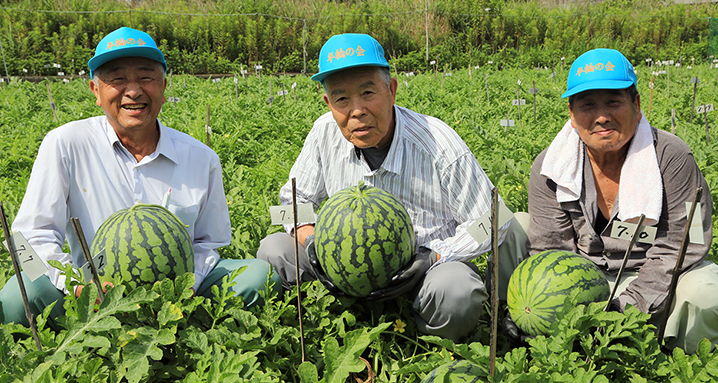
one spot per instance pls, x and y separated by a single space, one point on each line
165 146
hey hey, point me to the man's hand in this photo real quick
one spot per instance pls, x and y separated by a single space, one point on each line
318 271
303 232
406 280
105 285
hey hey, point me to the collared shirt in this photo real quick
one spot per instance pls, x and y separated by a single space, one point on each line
429 169
83 170
570 225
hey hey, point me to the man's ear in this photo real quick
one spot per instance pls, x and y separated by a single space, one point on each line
96 91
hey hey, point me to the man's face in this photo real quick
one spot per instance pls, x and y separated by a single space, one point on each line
130 90
605 119
362 105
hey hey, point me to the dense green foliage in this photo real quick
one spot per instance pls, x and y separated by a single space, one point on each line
221 36
143 244
540 285
363 237
458 371
160 334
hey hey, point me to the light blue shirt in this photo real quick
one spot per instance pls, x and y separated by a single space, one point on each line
83 170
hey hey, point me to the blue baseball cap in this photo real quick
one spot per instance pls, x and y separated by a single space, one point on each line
349 50
600 69
125 42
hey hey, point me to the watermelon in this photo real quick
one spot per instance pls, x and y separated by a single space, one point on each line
363 237
541 283
143 244
456 371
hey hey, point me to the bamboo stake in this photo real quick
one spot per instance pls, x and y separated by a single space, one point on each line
679 265
88 256
495 278
207 128
18 276
52 102
296 262
632 242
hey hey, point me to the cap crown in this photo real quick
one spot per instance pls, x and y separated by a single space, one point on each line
125 42
600 69
349 50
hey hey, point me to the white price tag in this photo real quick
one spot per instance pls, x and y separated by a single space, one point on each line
709 107
448 74
432 62
284 214
695 233
235 80
243 72
216 80
700 108
480 230
283 93
476 67
82 72
258 67
208 129
60 73
508 122
624 230
28 259
518 102
294 85
173 99
490 62
100 262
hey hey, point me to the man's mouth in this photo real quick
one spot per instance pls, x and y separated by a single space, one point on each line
134 106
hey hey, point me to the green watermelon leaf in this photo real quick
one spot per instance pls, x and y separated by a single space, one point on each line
341 361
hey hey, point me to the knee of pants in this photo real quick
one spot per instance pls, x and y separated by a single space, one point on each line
273 246
455 293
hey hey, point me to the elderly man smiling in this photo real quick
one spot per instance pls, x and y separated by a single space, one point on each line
91 168
418 159
608 165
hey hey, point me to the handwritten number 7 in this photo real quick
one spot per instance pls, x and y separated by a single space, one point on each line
622 230
481 225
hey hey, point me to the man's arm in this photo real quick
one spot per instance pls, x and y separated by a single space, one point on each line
550 227
212 229
43 214
465 184
681 178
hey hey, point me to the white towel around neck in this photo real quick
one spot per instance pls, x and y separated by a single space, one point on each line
640 189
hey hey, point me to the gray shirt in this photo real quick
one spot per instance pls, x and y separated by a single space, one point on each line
570 225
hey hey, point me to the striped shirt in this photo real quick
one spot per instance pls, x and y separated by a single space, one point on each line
429 169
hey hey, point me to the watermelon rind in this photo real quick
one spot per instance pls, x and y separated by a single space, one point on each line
363 237
540 284
457 371
143 244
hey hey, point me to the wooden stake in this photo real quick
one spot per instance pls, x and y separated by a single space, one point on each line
18 276
705 114
207 128
88 256
534 93
650 98
52 102
632 242
296 262
486 79
673 121
495 278
679 265
695 88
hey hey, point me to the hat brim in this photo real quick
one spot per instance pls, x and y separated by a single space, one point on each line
146 52
598 84
322 75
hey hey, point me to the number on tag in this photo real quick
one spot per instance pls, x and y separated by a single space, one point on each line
100 261
625 230
28 259
284 214
480 230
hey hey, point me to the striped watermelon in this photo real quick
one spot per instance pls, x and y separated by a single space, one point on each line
541 283
363 237
457 371
143 244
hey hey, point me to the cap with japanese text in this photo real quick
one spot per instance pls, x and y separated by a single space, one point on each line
349 50
600 69
125 42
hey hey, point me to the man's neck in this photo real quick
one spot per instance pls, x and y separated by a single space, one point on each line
140 143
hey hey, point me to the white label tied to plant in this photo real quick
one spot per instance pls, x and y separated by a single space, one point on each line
432 62
258 67
216 80
283 93
284 214
518 102
100 262
480 230
294 85
695 233
243 72
625 230
508 122
28 259
173 99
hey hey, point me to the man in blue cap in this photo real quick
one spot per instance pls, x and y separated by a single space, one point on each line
608 166
91 168
417 158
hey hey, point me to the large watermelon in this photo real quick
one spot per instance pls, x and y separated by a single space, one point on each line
143 244
363 237
541 283
455 372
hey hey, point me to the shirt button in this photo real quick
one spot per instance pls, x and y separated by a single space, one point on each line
608 253
138 201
